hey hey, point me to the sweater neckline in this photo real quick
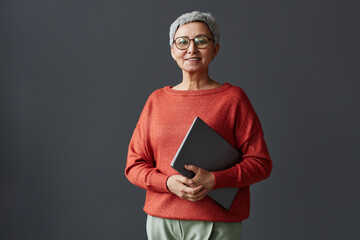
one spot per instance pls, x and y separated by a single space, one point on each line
169 90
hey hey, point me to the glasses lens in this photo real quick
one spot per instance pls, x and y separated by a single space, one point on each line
201 42
182 42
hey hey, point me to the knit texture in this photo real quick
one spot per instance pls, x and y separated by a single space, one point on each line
161 128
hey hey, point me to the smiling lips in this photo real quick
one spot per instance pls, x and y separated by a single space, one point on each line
193 59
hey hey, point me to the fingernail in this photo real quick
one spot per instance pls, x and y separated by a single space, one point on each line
190 181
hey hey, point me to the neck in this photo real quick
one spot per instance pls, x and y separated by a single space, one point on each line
195 81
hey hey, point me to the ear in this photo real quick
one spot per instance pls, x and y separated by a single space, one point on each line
216 50
172 52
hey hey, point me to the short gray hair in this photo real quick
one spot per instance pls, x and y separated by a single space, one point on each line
195 16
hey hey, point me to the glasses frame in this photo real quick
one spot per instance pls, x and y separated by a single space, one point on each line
193 39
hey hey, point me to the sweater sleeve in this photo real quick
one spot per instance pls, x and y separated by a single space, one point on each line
140 167
256 164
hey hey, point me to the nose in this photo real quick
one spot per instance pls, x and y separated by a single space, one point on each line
192 47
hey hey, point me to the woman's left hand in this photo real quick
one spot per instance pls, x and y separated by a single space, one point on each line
202 177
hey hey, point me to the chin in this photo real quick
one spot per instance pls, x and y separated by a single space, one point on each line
193 69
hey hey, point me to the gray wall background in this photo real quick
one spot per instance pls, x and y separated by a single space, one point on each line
76 74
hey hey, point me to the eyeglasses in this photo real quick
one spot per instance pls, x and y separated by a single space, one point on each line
182 43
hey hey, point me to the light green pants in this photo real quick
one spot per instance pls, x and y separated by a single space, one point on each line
169 229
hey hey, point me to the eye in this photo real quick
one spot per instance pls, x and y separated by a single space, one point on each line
202 40
182 41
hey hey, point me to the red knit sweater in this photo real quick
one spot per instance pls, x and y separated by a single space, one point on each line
163 124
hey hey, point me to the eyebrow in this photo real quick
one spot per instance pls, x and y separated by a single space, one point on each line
199 35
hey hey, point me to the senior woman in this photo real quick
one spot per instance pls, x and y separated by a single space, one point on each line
178 207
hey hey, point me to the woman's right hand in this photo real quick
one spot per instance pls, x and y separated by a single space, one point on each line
181 187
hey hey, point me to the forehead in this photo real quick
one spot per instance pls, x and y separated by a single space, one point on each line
193 29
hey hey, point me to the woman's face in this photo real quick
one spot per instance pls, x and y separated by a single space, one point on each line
193 59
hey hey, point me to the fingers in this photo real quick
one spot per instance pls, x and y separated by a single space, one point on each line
202 177
202 194
192 168
199 173
185 180
191 190
183 188
194 194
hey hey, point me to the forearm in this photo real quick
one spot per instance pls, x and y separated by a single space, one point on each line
245 173
146 176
